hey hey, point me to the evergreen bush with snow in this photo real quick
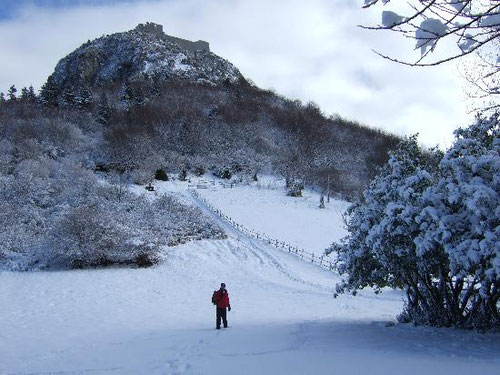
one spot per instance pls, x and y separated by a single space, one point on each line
183 175
430 224
199 171
295 190
224 173
161 175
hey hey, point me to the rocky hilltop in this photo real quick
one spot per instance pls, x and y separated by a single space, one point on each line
145 52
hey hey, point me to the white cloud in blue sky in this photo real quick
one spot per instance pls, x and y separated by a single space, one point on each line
311 50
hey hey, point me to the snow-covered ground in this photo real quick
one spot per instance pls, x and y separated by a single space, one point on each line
160 320
264 207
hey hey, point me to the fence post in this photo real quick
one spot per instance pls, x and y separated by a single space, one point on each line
312 257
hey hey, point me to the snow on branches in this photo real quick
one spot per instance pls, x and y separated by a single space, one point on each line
473 26
56 213
473 23
430 223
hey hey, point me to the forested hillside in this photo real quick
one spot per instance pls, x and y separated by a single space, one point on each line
104 120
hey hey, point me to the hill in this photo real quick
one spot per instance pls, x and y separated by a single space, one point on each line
143 53
129 106
193 108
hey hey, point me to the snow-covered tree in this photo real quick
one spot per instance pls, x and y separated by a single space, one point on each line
12 93
127 95
24 94
103 110
139 97
472 24
68 96
31 94
379 250
155 89
49 93
430 224
199 170
183 175
462 217
84 98
161 175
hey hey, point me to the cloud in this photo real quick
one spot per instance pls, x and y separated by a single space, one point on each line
311 50
11 9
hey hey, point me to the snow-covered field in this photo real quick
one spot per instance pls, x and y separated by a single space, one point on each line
284 319
264 207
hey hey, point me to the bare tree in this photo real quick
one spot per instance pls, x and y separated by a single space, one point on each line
472 25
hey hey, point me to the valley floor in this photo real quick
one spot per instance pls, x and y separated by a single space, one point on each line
284 320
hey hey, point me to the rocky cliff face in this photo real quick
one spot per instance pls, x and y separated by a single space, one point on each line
145 52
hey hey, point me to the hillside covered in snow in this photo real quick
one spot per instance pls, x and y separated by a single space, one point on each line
126 107
284 319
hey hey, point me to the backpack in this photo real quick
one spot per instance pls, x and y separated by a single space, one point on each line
214 298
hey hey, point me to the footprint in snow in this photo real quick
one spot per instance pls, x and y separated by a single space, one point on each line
176 367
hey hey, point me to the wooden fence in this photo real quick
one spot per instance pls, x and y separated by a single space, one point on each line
323 260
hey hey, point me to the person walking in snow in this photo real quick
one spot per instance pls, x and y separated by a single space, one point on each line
220 299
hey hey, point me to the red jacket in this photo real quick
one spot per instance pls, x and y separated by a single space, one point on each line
222 299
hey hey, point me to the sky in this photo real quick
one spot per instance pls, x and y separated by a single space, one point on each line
309 50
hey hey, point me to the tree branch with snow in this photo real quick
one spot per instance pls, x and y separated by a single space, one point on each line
473 26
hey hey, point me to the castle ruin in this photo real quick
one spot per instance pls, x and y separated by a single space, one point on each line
157 30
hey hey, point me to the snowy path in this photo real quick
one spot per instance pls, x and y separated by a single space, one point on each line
160 321
261 250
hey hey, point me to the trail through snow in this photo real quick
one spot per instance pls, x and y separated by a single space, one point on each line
160 320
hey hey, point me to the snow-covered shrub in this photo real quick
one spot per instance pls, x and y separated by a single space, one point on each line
55 214
31 200
87 236
184 223
183 175
199 171
146 256
6 157
462 219
430 224
132 230
295 190
141 176
161 175
224 173
379 240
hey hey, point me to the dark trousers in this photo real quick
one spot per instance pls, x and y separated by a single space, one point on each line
221 314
